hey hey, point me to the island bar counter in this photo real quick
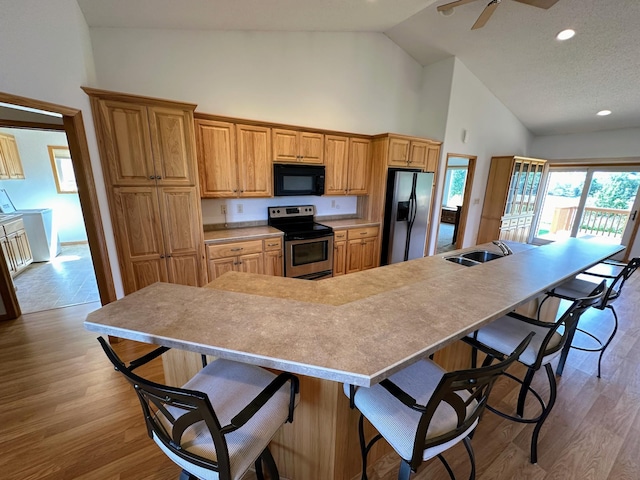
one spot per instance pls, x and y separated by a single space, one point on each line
361 341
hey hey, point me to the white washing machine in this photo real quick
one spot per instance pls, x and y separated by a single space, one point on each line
38 223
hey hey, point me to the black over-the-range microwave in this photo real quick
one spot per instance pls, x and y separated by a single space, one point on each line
291 180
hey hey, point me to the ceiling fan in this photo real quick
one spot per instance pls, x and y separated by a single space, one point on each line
491 7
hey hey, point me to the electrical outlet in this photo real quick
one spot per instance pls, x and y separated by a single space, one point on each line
223 209
240 208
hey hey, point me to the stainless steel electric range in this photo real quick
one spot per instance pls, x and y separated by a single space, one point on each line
308 246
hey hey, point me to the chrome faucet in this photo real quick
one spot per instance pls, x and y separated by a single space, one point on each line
504 248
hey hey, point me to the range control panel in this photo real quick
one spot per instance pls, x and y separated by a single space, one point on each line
292 211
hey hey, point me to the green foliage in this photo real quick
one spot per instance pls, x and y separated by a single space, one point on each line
458 178
618 192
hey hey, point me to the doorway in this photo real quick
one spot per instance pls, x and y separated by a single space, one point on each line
73 126
588 202
454 204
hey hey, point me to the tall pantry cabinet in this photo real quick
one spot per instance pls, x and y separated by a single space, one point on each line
147 150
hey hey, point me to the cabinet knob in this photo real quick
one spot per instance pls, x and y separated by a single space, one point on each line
161 256
241 191
152 177
235 190
158 177
237 249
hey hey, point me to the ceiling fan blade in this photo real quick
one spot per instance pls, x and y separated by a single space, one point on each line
539 3
449 6
486 14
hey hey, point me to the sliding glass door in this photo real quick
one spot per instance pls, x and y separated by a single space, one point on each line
591 202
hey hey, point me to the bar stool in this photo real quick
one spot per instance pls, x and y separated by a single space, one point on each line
187 423
499 337
422 410
615 275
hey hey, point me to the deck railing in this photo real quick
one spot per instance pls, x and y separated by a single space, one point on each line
601 222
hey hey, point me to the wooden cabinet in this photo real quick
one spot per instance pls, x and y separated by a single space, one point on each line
291 146
15 246
10 163
251 256
339 252
233 160
347 160
413 153
511 198
147 148
361 249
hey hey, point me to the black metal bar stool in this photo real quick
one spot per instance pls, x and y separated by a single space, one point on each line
615 275
498 338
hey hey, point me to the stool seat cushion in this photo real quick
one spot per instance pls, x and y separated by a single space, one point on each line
230 386
506 333
398 423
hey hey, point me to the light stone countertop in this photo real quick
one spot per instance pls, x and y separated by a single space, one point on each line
359 328
349 223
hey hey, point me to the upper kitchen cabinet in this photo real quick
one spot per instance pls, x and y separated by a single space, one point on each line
10 163
233 160
255 171
347 162
147 151
291 146
148 144
413 153
511 199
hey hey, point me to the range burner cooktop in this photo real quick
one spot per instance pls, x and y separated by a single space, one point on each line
297 222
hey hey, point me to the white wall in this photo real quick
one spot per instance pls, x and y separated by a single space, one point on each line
492 130
606 144
354 82
46 55
38 189
434 99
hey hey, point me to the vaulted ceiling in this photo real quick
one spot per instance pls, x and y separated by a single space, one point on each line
553 87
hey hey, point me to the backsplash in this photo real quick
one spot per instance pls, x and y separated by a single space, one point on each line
250 210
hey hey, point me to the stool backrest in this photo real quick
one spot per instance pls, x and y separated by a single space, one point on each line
466 391
615 288
169 412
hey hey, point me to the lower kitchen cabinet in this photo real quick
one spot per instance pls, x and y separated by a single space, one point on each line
355 249
15 246
251 256
339 252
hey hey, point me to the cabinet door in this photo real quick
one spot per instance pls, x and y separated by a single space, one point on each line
220 266
285 145
336 160
182 234
433 158
172 145
8 255
217 159
311 148
138 230
13 162
252 263
358 177
255 167
418 152
398 152
369 256
273 263
4 152
24 249
127 143
354 256
339 258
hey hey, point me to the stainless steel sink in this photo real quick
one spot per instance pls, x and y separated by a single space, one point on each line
462 261
481 256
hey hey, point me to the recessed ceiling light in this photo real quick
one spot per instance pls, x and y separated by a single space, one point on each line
566 34
604 113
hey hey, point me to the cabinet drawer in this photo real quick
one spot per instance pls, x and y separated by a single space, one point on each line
273 244
339 235
12 227
233 249
363 232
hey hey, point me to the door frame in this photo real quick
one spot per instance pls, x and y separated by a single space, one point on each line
73 126
466 198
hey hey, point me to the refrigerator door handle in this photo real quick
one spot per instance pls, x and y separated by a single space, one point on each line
413 208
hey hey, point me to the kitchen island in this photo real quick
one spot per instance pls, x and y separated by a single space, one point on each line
358 329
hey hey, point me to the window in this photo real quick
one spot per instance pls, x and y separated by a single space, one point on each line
62 168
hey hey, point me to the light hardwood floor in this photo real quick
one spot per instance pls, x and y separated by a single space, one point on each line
65 414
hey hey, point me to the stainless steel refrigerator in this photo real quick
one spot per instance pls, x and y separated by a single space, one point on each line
406 215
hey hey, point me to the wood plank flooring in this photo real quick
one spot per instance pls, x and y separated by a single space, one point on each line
65 414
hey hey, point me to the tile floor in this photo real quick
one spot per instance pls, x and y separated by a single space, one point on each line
68 279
